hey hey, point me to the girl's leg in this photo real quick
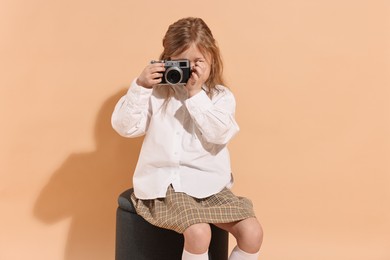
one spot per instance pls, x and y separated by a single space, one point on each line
196 242
249 236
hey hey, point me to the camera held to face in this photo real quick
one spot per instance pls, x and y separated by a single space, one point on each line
176 72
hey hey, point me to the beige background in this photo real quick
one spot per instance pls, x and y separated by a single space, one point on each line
312 82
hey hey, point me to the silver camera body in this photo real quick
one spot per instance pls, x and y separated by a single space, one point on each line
177 72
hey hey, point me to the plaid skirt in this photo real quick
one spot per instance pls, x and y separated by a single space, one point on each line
177 211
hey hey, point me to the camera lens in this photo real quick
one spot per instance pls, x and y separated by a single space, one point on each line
173 75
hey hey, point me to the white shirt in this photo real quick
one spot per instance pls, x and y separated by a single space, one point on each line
185 144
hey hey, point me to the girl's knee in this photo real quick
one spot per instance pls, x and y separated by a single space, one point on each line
258 233
197 238
250 235
198 231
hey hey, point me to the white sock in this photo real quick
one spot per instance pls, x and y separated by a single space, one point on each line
238 254
188 256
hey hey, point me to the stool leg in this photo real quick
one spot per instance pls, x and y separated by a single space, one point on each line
219 245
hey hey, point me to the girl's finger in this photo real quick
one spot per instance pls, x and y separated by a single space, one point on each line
198 70
156 81
194 76
157 69
156 75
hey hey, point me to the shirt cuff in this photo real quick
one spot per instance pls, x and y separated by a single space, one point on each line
138 94
198 103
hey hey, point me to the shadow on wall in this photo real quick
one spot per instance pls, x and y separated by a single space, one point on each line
86 187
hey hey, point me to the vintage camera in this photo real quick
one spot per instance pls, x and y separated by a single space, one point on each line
176 72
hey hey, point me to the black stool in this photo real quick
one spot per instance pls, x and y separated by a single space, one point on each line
136 239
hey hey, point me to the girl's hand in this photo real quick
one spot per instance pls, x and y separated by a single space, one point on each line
151 75
199 75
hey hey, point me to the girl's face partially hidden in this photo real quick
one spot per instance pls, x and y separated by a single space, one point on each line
197 59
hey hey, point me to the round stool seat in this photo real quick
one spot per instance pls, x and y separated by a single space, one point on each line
137 239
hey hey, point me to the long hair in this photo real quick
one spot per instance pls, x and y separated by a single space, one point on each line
182 34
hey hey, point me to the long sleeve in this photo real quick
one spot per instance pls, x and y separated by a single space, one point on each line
186 139
131 115
214 117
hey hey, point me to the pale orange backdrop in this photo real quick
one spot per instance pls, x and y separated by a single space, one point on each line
312 83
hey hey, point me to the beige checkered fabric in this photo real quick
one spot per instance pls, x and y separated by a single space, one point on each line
177 211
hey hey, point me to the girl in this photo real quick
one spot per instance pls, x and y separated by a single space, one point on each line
182 178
